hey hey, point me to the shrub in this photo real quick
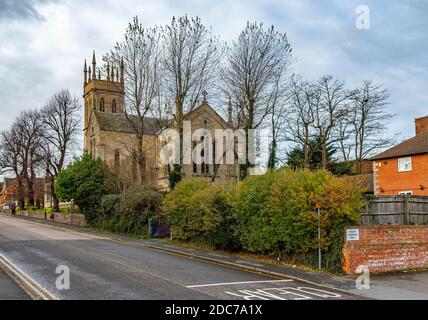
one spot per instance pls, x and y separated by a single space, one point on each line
197 211
249 205
129 212
284 220
82 182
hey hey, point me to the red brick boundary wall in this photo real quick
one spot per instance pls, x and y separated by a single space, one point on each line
73 219
387 248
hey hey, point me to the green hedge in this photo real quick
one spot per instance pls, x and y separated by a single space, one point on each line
129 212
273 214
197 211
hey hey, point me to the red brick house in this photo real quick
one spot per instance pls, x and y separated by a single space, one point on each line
9 194
403 169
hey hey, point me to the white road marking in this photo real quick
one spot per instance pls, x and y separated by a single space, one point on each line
35 286
299 293
233 283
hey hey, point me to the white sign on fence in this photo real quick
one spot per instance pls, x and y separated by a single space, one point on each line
352 234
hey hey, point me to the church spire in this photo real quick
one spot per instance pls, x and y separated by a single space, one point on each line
94 67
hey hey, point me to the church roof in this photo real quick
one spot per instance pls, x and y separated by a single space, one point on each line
119 122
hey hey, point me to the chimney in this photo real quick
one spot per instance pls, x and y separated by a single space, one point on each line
421 125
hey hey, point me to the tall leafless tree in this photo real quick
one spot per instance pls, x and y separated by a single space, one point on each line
329 112
299 128
20 154
368 122
11 158
254 64
140 51
191 54
30 126
61 124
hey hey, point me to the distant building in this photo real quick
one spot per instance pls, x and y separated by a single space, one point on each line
403 169
9 192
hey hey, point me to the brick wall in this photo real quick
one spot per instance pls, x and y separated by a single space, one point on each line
74 219
387 248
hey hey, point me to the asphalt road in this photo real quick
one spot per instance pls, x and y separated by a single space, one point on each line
104 269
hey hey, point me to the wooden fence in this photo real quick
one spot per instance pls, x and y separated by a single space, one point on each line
395 210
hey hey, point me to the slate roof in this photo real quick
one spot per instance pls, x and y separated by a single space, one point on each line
413 146
118 122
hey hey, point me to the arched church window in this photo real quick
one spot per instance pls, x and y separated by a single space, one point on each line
113 106
102 105
116 158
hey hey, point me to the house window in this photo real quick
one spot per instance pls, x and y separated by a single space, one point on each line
405 193
404 164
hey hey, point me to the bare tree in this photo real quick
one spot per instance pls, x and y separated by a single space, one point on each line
20 154
368 120
329 112
140 55
279 112
303 100
255 65
11 158
190 58
60 123
29 125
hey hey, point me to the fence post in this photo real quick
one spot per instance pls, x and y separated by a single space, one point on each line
406 218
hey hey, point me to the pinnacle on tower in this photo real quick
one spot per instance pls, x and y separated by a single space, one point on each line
94 67
122 70
117 74
85 73
108 71
112 74
89 73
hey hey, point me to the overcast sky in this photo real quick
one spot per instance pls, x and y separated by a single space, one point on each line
43 43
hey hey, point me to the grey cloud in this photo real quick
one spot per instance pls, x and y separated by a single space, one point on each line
21 9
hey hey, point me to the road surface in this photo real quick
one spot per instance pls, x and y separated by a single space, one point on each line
104 269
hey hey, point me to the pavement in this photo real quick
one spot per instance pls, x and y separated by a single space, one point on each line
107 266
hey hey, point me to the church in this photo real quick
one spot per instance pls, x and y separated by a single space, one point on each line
109 133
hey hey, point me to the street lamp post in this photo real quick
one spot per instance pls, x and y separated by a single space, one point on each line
318 207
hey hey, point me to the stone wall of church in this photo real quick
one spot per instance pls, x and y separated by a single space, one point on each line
115 148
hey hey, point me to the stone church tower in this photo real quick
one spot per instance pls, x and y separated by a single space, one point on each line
110 133
101 95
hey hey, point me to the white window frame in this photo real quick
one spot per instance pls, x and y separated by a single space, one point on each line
402 164
403 193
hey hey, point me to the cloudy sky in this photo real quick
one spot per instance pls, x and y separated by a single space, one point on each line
43 43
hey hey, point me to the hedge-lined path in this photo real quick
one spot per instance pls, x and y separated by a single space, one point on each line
105 267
